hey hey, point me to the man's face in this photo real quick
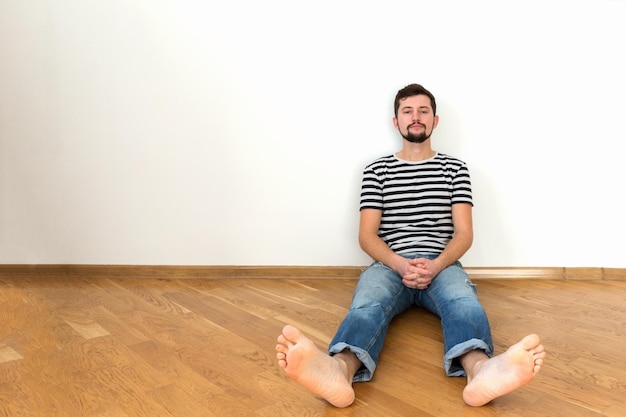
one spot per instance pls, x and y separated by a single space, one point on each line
415 120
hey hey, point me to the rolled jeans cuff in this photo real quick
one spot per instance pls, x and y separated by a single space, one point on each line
452 365
366 371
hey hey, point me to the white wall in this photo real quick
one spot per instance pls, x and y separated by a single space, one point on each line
234 132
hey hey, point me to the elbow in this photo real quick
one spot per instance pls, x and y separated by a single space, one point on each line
469 239
464 239
365 240
362 241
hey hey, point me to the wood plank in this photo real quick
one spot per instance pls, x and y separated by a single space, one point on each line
135 346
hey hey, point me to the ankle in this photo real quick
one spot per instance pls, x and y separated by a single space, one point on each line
472 362
349 363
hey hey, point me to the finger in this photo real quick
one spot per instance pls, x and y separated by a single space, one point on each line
424 272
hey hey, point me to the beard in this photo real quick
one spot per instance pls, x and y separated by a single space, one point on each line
416 137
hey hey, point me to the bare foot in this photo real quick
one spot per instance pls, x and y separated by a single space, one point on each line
497 376
323 375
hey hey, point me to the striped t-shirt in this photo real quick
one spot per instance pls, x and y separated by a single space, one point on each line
416 200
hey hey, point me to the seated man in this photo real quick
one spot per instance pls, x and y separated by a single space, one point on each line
416 223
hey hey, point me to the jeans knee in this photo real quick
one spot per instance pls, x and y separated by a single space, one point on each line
366 307
365 314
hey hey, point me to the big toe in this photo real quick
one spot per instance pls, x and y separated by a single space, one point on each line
291 333
531 341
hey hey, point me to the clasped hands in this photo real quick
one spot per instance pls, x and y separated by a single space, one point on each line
418 273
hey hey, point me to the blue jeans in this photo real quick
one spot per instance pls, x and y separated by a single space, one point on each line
380 295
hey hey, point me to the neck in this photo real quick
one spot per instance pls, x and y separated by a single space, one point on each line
416 151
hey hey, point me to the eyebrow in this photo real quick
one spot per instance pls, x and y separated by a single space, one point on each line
410 107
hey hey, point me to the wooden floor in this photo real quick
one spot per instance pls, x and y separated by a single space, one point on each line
142 347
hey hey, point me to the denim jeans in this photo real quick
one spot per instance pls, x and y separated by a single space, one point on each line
380 295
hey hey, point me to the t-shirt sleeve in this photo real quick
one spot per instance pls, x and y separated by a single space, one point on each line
462 186
371 190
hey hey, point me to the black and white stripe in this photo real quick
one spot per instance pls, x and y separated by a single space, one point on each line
416 199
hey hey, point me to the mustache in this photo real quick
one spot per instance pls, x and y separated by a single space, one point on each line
417 124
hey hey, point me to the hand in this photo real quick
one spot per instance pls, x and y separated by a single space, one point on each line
420 273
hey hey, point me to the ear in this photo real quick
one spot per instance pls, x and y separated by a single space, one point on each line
436 121
395 122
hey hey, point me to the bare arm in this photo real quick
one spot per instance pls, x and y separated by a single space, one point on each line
463 235
374 246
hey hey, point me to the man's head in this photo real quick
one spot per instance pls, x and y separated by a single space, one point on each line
415 113
414 90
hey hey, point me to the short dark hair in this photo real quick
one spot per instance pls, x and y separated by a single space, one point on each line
413 90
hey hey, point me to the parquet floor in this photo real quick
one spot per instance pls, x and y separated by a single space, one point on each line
141 347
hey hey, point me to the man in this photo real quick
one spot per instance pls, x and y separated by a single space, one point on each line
416 223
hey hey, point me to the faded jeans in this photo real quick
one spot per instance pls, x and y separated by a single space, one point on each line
380 295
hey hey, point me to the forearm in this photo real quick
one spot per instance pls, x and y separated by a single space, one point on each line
454 250
378 250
